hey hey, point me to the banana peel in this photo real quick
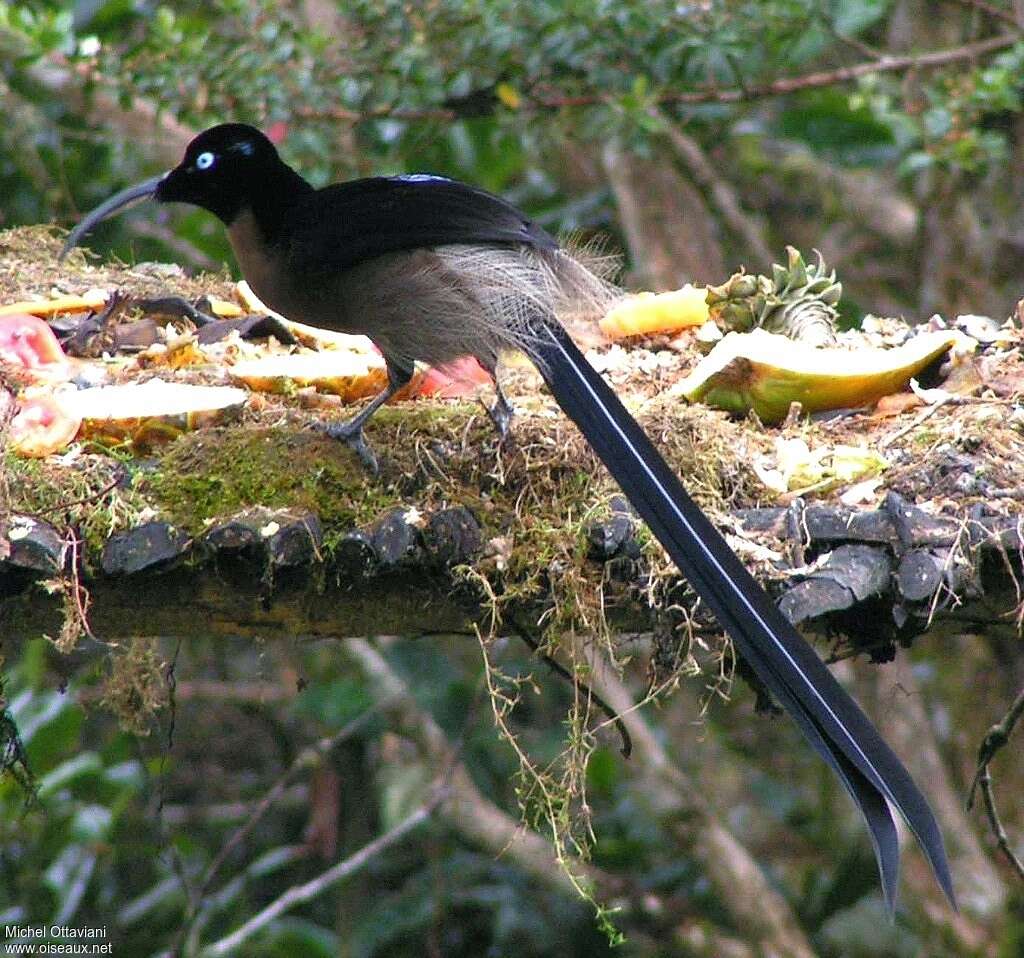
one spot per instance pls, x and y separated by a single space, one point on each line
767 373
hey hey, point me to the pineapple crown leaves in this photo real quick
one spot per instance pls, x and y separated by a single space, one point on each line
798 300
802 280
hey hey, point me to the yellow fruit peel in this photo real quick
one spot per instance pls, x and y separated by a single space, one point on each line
766 373
647 313
91 299
352 376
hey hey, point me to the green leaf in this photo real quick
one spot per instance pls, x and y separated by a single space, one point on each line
288 937
604 770
85 763
68 878
916 162
852 17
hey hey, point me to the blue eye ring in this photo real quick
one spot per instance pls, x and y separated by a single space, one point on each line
205 160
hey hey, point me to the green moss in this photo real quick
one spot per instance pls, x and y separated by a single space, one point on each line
215 473
93 495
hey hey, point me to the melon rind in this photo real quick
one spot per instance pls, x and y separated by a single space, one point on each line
766 373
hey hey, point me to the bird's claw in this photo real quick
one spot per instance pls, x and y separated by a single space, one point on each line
501 414
353 437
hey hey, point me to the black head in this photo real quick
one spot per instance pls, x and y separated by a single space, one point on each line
223 169
226 169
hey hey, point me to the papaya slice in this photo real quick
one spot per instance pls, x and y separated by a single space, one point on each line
148 414
766 373
27 342
456 380
352 376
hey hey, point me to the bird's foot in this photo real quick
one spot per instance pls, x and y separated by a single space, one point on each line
501 415
352 434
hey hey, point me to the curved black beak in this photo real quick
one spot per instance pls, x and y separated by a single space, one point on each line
116 203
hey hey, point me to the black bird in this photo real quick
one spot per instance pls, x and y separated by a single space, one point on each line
432 269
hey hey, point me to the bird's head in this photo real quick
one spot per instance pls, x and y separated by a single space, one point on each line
223 170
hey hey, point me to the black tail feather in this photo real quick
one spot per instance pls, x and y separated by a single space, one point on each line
832 722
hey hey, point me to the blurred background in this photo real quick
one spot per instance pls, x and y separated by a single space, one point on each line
695 138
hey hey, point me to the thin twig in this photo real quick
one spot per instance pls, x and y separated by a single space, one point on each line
996 739
299 894
78 591
779 87
85 500
467 810
911 426
308 758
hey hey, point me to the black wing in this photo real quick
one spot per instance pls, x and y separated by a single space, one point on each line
349 223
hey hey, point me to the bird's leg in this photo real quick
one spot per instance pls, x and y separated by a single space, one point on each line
501 412
351 431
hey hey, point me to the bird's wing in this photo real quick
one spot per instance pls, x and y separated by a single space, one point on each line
349 223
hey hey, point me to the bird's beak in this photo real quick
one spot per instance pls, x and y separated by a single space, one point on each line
116 203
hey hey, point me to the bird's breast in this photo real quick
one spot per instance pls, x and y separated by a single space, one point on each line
263 265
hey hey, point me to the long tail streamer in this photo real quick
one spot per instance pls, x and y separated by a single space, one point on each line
833 723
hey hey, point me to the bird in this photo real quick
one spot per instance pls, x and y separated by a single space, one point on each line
432 269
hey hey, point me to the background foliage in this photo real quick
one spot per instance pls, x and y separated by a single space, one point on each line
674 129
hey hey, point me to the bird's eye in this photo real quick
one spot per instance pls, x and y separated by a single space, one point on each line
204 161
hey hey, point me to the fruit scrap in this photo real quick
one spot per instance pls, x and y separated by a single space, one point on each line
25 344
28 343
647 313
799 468
91 299
42 426
455 380
149 413
222 309
798 300
766 373
352 376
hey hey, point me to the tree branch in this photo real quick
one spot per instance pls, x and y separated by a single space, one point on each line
309 758
299 894
721 192
779 87
755 907
996 739
991 10
143 122
466 809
